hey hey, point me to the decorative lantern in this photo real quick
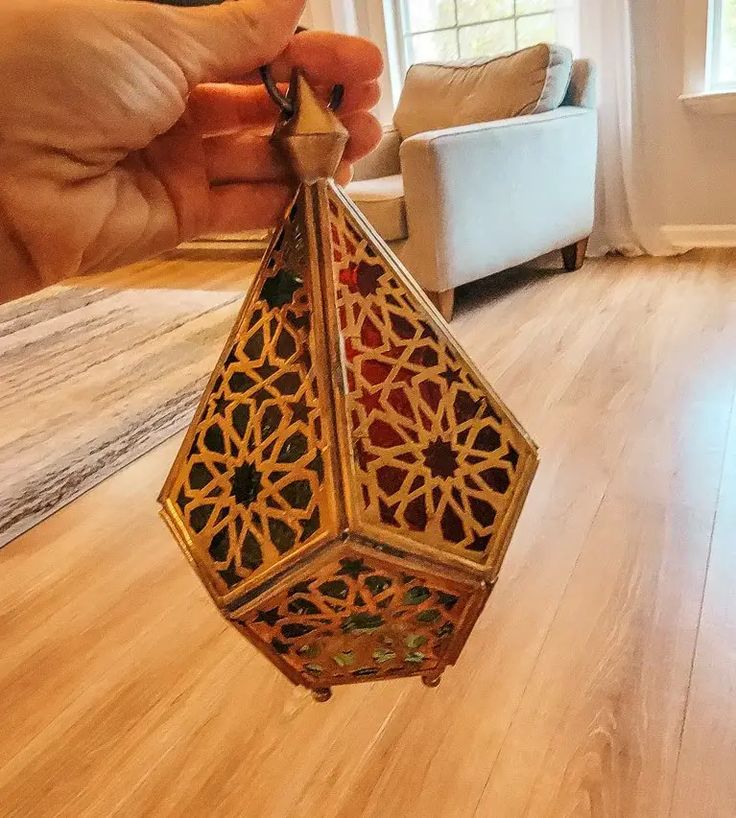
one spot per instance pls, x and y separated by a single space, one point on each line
350 482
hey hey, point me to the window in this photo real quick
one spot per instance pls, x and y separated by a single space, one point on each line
722 62
459 29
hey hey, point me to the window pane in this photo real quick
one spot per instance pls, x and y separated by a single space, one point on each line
726 69
437 46
534 6
487 40
425 15
481 11
540 28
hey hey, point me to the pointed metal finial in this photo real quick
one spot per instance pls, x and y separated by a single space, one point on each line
311 137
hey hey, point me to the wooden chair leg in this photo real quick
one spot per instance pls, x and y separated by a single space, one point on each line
573 256
444 301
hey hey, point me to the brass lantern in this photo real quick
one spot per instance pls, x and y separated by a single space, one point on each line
350 482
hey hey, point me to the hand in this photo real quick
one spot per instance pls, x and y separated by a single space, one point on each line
116 143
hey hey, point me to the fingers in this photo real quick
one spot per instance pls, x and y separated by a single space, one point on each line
328 58
225 108
251 157
365 134
217 42
247 206
232 40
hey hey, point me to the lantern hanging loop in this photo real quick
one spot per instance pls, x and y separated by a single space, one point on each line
283 101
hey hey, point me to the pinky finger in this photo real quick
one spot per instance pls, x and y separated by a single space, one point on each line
247 206
256 205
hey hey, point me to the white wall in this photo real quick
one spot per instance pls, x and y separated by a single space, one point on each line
691 155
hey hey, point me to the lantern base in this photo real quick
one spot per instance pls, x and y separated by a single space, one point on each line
432 680
322 694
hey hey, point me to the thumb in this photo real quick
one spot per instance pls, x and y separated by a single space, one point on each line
221 42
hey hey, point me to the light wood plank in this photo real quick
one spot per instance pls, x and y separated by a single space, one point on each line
598 728
122 692
706 784
581 439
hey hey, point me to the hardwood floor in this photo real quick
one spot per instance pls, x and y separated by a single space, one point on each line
599 682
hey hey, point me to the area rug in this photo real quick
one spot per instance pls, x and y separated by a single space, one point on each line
92 379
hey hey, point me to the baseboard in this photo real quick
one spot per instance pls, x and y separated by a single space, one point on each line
685 236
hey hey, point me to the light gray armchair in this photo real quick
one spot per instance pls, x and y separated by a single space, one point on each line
462 202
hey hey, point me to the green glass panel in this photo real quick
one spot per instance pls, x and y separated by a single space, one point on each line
279 289
282 536
344 659
362 623
377 584
293 448
415 596
335 588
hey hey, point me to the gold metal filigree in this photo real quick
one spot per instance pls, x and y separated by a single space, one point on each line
350 482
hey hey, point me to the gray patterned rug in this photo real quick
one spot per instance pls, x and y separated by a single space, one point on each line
91 380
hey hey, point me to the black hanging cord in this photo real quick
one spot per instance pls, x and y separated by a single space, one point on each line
286 105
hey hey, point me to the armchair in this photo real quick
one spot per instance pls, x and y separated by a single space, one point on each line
461 203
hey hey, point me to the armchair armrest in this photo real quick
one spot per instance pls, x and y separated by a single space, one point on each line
384 161
482 198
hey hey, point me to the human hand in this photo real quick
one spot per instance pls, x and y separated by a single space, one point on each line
115 143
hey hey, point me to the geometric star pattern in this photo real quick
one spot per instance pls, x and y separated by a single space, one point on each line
363 616
349 484
253 487
437 456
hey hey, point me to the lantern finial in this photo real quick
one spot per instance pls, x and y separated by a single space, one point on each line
311 137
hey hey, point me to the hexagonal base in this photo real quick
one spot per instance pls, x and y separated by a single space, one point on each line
357 613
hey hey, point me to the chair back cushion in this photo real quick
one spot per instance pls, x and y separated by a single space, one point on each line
437 96
582 92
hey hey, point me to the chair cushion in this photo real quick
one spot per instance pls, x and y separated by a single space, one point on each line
446 95
382 202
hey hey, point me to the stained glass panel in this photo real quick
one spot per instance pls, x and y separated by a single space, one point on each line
253 486
362 617
434 453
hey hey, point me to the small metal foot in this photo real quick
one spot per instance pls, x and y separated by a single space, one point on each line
322 694
432 681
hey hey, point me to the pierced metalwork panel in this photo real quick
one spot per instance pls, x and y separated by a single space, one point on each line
436 455
362 616
251 488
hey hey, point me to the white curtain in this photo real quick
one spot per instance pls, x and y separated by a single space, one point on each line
627 220
335 15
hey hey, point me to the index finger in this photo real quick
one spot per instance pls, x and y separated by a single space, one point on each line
329 58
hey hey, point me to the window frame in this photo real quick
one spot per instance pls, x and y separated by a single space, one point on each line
713 83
